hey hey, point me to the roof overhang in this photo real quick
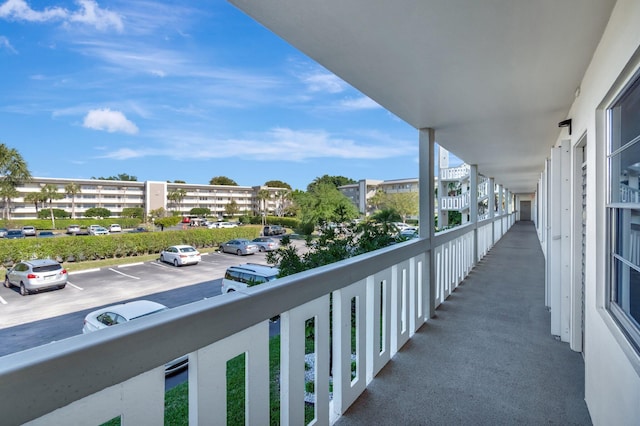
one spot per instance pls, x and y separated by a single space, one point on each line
492 77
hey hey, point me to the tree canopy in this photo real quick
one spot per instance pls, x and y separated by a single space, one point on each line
277 184
336 181
324 203
222 180
121 176
14 172
403 203
332 245
98 212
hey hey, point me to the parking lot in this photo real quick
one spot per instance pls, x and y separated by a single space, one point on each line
29 321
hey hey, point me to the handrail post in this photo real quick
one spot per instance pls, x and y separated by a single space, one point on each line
473 208
492 208
426 194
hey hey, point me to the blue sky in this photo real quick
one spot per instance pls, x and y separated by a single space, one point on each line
175 90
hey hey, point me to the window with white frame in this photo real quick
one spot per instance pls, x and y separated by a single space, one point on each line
623 122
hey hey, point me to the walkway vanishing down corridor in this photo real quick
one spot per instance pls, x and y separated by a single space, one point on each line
487 358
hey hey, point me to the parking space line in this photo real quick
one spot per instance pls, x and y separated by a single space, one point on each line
75 286
130 264
160 265
4 302
122 273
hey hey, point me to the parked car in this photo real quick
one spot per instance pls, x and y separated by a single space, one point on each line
14 233
180 255
35 275
238 278
73 229
29 231
98 230
212 225
408 233
227 225
46 234
273 230
114 227
266 243
3 232
239 246
125 312
139 229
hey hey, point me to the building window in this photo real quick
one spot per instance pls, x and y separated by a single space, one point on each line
623 208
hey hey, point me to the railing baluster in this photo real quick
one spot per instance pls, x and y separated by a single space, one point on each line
137 401
378 321
292 362
208 377
347 388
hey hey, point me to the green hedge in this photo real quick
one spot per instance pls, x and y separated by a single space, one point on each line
287 222
61 224
79 248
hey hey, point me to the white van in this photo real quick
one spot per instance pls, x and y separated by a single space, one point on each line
238 278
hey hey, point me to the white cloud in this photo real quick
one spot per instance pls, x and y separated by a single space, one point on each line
323 82
111 121
362 102
89 13
19 10
281 144
5 44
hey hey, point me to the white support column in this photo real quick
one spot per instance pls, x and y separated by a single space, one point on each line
565 244
443 161
492 207
473 208
426 195
492 198
554 255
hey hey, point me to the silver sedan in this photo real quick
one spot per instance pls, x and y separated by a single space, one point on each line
239 246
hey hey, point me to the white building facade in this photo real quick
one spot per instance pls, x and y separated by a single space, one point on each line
116 196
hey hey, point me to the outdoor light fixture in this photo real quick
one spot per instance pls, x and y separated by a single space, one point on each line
566 123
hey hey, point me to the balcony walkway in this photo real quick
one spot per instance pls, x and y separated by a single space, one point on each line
487 358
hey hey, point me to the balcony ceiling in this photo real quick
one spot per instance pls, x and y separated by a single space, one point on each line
492 77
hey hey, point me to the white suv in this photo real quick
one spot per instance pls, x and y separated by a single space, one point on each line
238 278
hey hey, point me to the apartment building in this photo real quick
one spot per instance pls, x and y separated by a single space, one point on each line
360 193
540 97
116 196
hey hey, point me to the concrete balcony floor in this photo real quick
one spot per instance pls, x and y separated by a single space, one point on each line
487 358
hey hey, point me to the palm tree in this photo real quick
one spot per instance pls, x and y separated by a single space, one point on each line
51 193
283 200
386 218
33 197
7 193
177 196
72 189
263 195
14 172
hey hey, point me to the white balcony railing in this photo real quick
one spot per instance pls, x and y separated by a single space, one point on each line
457 202
483 189
455 173
629 194
118 372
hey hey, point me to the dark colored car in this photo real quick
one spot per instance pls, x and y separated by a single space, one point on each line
14 233
138 230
